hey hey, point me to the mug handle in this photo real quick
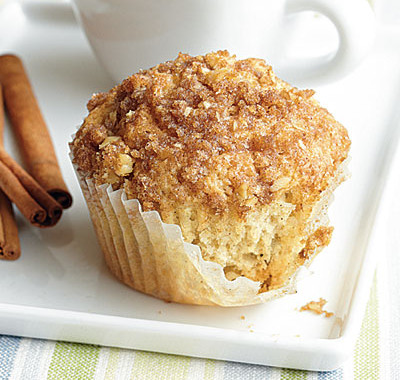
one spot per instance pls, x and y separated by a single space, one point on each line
355 24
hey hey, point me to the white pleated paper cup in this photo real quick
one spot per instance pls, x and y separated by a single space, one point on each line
152 257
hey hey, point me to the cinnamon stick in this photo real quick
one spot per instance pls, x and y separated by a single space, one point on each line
30 130
10 248
1 116
31 199
18 195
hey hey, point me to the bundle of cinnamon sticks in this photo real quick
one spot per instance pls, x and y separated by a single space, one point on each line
39 192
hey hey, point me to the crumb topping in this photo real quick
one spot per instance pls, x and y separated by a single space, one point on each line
224 133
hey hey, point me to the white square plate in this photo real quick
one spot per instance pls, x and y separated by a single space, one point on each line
61 289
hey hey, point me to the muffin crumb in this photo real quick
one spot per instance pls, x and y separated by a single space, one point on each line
317 308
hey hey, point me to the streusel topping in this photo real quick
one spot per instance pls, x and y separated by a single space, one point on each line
212 130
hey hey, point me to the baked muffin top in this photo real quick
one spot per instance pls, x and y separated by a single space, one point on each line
211 130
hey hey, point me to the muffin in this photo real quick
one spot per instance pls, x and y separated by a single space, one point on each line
208 179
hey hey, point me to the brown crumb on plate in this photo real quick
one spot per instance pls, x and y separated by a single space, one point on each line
317 307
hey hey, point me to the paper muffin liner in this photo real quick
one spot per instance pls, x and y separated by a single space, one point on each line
152 257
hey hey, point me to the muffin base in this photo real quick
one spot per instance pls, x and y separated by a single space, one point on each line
152 257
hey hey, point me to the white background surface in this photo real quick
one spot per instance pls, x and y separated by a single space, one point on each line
63 269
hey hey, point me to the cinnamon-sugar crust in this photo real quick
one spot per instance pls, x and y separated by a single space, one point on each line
224 133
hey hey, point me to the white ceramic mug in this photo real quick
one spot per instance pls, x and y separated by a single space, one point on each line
129 35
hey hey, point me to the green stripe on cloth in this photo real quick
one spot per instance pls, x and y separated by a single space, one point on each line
73 361
293 374
112 364
366 354
209 369
151 365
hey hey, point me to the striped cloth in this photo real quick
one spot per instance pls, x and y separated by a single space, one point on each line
33 359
